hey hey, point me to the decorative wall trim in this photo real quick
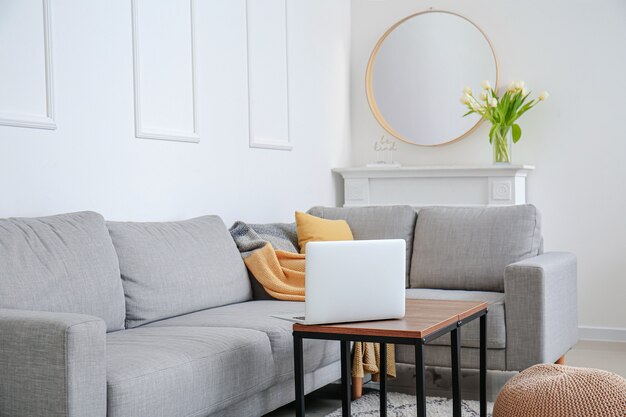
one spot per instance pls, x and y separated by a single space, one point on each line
270 143
155 132
609 334
38 121
257 141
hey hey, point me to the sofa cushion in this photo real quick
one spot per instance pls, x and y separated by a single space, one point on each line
467 248
175 268
183 371
257 315
380 222
470 333
64 263
440 356
316 229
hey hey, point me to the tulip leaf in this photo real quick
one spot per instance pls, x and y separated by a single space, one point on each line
491 133
517 132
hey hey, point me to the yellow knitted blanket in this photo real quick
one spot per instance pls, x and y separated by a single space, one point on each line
282 274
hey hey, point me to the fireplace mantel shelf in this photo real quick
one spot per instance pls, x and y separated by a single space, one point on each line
470 185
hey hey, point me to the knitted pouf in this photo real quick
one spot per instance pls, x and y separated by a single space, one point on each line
562 391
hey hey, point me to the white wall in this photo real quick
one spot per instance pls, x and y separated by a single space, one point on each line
577 140
92 161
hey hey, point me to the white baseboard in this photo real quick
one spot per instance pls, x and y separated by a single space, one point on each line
608 334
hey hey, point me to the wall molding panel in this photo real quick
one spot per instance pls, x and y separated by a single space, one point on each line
145 129
268 81
31 120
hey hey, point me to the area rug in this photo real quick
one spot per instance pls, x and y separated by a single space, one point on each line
403 405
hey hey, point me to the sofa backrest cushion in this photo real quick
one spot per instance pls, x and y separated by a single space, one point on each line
376 222
174 268
64 263
467 248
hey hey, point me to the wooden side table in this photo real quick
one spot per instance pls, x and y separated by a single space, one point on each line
425 320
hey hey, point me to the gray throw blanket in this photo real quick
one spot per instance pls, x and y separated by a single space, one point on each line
249 237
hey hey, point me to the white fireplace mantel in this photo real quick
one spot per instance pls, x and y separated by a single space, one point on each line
419 186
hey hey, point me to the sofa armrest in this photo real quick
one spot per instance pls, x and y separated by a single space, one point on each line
541 309
52 364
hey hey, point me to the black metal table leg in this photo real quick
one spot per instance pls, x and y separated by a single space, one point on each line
383 380
483 365
346 378
298 366
420 380
455 345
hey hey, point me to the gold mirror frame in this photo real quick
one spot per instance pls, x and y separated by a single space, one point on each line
369 72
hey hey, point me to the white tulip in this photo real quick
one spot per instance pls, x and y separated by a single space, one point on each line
467 90
511 87
486 85
484 96
544 95
464 99
519 85
476 107
524 91
493 102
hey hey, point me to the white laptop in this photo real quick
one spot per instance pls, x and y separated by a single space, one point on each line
348 281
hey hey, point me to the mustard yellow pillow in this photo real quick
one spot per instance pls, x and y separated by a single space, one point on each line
315 229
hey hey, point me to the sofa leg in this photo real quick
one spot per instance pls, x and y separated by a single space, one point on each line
357 387
560 361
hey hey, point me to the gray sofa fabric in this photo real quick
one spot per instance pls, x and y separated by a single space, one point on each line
280 393
470 336
64 263
184 371
52 364
541 309
376 222
467 248
174 268
440 356
257 315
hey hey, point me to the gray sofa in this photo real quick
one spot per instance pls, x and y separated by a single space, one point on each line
486 254
158 319
140 320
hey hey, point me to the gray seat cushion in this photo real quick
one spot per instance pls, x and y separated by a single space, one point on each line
64 263
467 248
380 222
175 268
257 315
470 335
182 371
440 356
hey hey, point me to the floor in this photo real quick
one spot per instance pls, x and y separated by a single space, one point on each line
610 356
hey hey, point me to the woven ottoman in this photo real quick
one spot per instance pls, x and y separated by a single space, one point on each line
562 391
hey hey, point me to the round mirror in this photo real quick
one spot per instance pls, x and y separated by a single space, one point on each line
417 73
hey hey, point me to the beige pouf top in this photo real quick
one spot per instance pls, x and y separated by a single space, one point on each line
562 391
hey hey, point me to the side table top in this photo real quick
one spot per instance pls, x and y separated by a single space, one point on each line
422 317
